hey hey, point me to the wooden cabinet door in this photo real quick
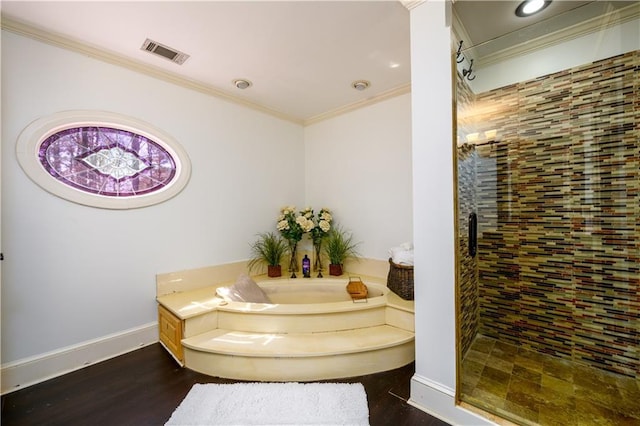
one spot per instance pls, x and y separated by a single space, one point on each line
170 328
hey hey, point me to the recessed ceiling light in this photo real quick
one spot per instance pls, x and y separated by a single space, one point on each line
530 7
360 85
242 83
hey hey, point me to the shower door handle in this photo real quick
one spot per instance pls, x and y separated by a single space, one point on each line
473 234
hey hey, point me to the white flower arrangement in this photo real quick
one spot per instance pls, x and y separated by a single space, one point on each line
292 225
321 224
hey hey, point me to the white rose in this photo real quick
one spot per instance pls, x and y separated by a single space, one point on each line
282 225
308 226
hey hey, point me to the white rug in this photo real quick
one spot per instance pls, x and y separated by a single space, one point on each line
273 404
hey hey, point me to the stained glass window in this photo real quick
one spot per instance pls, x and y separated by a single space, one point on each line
103 159
107 161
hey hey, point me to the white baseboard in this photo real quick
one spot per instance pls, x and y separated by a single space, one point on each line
29 371
439 401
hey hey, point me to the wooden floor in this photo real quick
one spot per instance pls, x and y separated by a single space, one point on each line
145 386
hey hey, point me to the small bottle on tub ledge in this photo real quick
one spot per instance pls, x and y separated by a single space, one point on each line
306 267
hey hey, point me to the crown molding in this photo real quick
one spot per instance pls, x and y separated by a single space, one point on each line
411 4
77 46
459 31
392 93
599 23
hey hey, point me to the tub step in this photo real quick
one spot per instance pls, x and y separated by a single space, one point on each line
298 344
299 356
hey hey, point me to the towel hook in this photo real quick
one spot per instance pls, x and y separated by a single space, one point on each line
467 72
459 55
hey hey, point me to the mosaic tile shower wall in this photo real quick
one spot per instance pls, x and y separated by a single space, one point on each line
467 180
558 201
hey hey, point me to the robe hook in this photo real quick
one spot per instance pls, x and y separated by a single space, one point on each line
459 56
467 72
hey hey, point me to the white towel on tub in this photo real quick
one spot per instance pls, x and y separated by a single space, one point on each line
402 255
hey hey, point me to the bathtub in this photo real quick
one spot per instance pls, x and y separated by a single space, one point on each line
314 290
311 305
308 297
312 330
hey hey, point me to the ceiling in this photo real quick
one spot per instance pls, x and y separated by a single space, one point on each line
491 28
485 21
300 56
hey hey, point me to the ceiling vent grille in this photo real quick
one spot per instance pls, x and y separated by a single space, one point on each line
165 51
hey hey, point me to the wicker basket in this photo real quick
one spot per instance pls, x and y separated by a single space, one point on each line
400 280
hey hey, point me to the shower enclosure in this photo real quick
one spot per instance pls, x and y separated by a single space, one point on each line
548 181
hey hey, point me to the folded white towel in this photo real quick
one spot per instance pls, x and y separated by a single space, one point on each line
402 255
406 246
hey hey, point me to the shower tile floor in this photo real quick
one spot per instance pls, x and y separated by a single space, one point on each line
530 388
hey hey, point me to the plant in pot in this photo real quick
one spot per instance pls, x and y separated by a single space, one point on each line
339 246
268 249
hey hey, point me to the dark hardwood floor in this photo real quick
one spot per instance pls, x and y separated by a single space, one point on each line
145 386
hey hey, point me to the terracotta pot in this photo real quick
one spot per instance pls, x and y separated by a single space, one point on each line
335 269
274 271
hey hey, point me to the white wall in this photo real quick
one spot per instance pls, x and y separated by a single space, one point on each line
359 166
74 273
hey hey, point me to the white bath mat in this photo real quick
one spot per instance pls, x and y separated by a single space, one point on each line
273 404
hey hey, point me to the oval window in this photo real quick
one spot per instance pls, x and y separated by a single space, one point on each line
103 159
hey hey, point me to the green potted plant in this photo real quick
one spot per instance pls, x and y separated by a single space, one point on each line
268 249
339 246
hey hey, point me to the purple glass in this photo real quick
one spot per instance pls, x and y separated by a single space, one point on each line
107 161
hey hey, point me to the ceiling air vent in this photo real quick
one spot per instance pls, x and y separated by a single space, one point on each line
166 52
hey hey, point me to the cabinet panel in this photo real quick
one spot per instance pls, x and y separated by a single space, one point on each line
170 328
